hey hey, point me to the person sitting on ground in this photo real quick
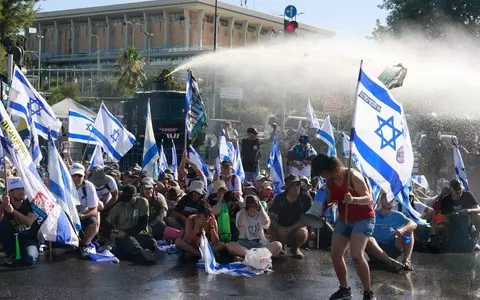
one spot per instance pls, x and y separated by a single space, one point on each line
232 181
187 205
267 193
251 222
392 228
285 214
158 209
106 187
259 180
174 195
127 225
307 186
163 183
219 190
249 189
231 199
203 219
87 211
17 217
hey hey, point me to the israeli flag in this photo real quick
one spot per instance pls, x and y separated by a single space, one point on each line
80 128
325 133
55 225
174 161
114 138
345 145
381 140
312 117
421 180
210 265
163 163
224 149
35 149
237 164
101 257
31 106
61 185
150 148
97 158
460 172
195 159
276 167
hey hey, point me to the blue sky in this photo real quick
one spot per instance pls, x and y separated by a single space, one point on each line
346 17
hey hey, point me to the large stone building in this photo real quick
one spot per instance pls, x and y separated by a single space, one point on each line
169 31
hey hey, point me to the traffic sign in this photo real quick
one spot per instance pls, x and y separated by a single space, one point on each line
290 11
231 93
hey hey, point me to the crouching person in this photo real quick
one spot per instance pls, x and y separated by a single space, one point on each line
285 215
17 217
203 219
251 222
127 225
393 235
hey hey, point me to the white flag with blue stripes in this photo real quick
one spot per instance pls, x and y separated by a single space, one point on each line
55 226
30 105
421 180
381 140
80 128
114 138
97 158
276 167
150 148
174 161
325 133
237 164
345 145
460 172
312 118
224 150
61 184
195 159
163 163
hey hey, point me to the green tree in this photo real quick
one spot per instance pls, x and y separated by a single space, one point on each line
109 88
429 17
3 60
66 90
14 16
163 81
129 69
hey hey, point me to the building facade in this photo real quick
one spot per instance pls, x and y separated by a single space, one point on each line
166 31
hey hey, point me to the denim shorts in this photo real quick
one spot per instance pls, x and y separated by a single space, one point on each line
250 244
365 227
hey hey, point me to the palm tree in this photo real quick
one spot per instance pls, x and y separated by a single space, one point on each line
129 68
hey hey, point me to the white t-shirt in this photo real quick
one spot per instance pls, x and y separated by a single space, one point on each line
237 186
104 193
305 171
90 200
253 229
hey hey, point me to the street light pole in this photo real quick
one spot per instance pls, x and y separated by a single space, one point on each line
215 28
133 30
98 54
149 36
214 50
40 38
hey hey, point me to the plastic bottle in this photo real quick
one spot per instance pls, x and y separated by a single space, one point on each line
265 205
223 220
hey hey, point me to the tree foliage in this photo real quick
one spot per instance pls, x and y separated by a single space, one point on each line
66 90
430 17
129 69
162 81
14 16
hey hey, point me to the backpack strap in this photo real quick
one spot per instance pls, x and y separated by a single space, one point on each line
84 190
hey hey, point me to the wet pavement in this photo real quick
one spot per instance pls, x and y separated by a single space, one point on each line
441 276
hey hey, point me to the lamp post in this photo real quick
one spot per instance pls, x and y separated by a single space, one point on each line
215 27
133 30
40 38
149 36
98 54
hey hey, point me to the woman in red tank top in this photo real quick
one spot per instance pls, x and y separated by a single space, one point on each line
355 224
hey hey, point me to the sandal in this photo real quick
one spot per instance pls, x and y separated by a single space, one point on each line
395 266
407 265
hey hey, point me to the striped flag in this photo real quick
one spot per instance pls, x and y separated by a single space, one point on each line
174 161
460 172
312 117
150 148
196 115
163 163
80 128
276 167
325 133
97 158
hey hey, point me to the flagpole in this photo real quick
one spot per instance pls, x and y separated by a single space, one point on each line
352 136
86 147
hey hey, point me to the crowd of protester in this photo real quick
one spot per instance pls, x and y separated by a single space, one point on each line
128 212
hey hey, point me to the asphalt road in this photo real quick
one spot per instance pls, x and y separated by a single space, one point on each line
441 276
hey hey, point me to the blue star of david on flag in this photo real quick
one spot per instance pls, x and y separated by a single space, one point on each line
115 135
395 133
33 111
90 127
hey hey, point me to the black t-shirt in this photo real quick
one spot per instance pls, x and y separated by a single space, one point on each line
466 201
250 154
187 206
18 227
289 213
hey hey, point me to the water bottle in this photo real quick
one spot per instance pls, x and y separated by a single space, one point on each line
407 239
223 220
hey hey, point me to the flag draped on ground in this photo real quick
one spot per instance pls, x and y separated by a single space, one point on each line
80 128
276 167
150 148
312 117
460 172
114 138
54 223
325 133
61 184
163 163
174 161
97 158
210 265
196 115
381 141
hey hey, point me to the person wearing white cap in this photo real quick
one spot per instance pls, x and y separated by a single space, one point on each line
17 217
88 209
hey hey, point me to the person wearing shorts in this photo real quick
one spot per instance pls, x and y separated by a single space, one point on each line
355 224
251 222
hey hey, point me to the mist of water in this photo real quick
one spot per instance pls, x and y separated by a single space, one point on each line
443 77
